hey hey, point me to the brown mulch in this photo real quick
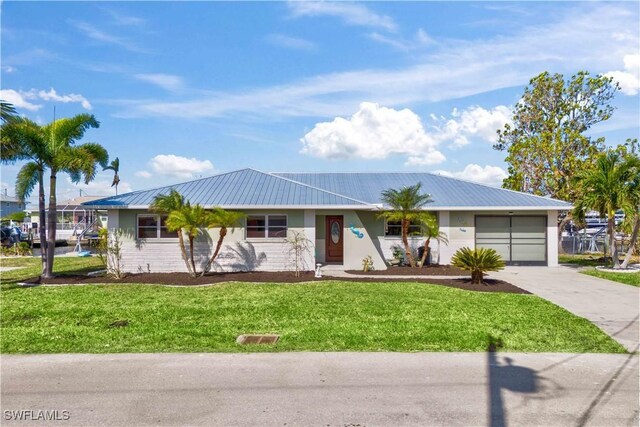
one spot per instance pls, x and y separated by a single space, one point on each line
429 270
183 279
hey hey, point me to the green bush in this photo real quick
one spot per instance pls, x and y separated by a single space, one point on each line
478 261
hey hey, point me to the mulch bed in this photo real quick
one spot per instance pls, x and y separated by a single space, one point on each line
183 279
429 270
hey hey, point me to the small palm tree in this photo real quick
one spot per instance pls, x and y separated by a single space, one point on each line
478 261
189 220
406 206
115 167
224 220
609 186
431 230
164 204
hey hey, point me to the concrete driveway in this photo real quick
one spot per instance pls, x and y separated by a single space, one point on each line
322 389
614 307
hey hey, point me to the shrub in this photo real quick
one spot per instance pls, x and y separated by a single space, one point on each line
367 263
478 261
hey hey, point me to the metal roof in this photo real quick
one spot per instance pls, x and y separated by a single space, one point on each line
242 188
445 191
249 188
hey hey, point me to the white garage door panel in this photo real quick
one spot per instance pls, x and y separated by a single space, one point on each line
515 238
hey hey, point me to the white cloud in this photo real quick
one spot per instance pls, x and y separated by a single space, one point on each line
350 13
580 39
101 186
104 37
629 79
290 42
52 95
9 69
178 166
474 122
19 99
168 82
373 132
490 175
420 39
143 174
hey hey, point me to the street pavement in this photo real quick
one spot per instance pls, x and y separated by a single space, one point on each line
322 389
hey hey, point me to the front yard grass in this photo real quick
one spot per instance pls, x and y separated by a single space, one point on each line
32 266
320 316
632 279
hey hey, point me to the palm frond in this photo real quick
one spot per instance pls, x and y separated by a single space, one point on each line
165 203
27 180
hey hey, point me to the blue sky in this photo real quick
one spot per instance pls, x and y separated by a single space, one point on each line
185 90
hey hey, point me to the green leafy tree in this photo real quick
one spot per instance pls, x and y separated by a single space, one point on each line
406 206
25 140
224 220
115 167
478 261
7 112
611 185
64 155
164 204
190 220
431 230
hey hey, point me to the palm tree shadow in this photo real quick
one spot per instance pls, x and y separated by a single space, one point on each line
240 257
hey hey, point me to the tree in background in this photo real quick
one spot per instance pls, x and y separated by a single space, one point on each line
546 143
611 185
406 207
115 167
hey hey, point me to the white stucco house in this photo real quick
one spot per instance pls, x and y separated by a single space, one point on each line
339 214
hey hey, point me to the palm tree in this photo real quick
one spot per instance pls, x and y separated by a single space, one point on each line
609 186
431 230
7 112
78 161
23 139
115 167
189 220
164 205
224 220
406 206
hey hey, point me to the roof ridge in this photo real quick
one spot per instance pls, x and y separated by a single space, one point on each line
315 188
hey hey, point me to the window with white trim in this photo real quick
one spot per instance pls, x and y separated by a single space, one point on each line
394 228
154 227
266 226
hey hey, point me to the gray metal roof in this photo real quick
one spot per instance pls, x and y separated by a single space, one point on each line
250 188
242 188
445 191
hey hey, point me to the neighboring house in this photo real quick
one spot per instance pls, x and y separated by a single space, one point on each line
10 204
339 213
74 217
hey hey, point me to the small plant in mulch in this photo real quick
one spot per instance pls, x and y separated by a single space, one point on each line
119 324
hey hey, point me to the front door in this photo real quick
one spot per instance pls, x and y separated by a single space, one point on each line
333 239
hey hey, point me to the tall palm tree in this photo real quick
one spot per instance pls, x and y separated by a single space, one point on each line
224 220
115 167
406 206
64 156
431 230
164 204
189 220
24 140
607 188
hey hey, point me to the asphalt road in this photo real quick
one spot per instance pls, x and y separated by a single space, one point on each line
322 389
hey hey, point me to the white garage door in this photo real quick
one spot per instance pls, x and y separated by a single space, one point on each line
520 240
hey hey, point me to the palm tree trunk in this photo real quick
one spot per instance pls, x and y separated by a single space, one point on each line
425 253
561 226
42 213
223 233
405 242
612 241
632 243
193 262
51 225
183 252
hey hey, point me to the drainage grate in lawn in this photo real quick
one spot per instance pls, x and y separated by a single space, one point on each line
257 339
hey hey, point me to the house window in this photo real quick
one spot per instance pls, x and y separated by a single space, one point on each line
154 227
393 228
262 226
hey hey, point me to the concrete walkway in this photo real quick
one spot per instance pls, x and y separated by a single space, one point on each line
324 389
614 307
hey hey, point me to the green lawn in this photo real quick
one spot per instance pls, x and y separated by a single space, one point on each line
632 279
321 316
32 266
